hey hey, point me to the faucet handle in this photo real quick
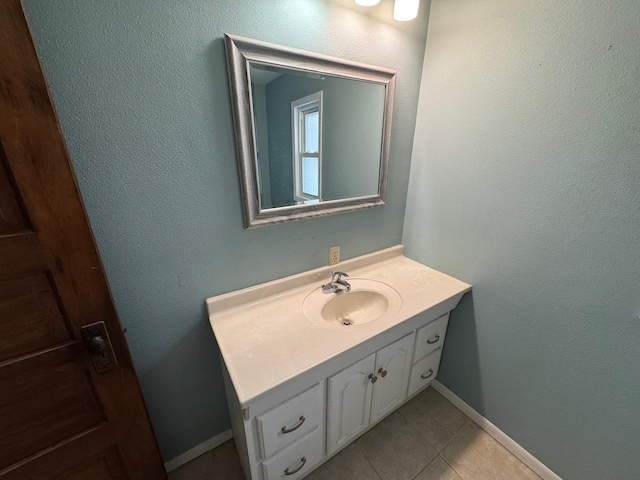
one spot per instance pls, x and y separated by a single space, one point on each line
338 274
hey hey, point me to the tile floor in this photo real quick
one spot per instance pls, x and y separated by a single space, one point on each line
427 439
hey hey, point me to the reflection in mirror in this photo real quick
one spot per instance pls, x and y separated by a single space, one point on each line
312 131
318 137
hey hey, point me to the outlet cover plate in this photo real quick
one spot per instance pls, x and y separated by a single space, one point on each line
334 255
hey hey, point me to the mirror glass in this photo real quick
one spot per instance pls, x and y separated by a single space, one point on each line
312 131
318 137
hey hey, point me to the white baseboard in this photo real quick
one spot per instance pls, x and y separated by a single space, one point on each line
502 438
198 450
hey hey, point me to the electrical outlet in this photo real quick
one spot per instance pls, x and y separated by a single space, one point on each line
334 255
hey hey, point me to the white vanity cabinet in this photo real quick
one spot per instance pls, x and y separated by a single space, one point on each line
365 392
300 386
285 436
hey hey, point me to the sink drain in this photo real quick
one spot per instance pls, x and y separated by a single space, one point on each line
345 321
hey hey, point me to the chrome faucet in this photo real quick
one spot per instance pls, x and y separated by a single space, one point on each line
337 284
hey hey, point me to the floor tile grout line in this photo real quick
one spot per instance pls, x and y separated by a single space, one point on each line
449 443
417 431
423 468
509 452
454 436
367 459
452 468
411 425
426 440
474 424
421 436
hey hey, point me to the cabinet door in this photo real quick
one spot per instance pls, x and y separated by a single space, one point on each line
349 403
392 370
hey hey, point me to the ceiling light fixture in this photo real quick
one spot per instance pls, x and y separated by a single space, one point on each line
405 10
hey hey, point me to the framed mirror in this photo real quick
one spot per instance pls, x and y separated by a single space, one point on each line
312 131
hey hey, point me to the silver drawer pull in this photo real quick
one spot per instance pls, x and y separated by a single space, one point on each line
428 376
294 428
435 341
303 460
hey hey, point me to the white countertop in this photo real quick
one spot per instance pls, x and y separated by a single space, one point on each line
265 339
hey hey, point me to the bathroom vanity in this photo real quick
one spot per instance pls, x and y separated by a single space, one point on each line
307 372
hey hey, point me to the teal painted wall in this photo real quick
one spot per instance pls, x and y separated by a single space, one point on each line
141 92
525 182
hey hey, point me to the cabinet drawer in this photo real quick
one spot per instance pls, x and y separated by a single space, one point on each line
430 337
290 421
297 460
424 371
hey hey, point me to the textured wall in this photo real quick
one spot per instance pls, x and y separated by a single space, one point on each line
141 91
525 181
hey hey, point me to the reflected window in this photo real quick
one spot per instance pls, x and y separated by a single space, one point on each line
306 114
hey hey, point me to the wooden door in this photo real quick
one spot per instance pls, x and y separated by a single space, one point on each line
392 370
59 418
349 403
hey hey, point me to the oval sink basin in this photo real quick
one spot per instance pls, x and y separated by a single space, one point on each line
368 300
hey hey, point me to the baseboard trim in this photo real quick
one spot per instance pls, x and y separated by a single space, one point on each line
198 450
505 440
